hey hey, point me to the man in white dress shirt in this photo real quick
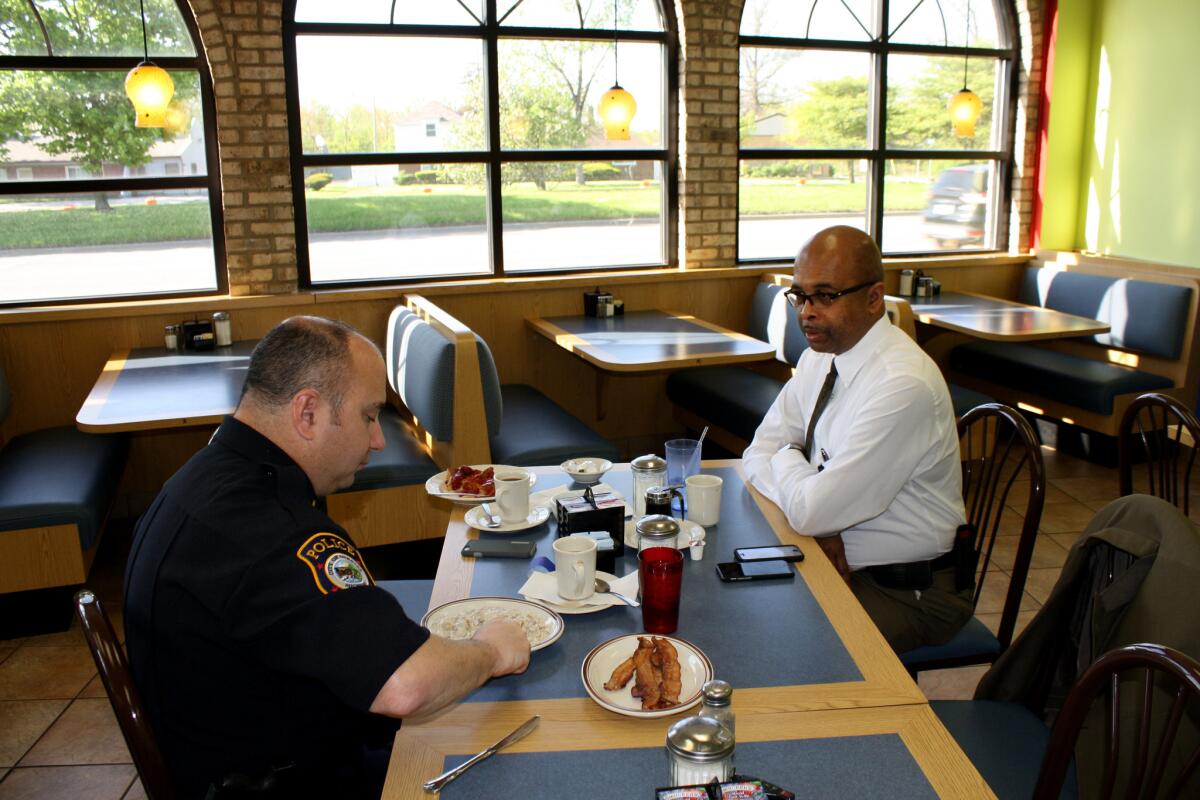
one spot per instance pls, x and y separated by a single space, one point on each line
871 469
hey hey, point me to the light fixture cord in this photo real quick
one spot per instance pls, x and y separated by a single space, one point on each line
145 41
616 50
967 43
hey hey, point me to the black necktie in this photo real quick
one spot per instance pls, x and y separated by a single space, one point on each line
822 401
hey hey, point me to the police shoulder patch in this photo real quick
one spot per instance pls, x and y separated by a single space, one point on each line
335 563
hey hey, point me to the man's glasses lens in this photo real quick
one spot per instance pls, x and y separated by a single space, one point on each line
797 298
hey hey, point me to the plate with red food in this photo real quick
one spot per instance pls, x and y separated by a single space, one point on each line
642 675
470 484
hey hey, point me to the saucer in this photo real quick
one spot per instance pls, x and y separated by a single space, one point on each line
475 516
687 529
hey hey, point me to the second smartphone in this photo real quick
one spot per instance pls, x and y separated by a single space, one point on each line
778 552
734 571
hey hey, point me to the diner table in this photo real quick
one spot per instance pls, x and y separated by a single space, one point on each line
999 320
823 705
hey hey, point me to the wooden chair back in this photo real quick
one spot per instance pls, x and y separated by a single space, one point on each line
1000 449
123 695
1140 750
1164 433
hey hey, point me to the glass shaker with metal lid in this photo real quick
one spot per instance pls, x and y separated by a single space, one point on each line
658 499
656 530
648 471
717 698
699 750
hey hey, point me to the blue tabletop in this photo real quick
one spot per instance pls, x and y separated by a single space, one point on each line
639 337
767 633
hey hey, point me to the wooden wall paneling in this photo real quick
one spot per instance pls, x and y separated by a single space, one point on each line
389 516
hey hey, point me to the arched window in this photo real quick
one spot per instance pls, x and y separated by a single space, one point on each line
843 120
92 207
446 138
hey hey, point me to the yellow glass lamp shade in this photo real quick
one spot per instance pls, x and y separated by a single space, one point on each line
617 108
965 108
150 89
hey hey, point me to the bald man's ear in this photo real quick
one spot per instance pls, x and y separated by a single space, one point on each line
305 408
875 293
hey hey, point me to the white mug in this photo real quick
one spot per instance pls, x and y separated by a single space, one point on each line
704 499
512 495
575 567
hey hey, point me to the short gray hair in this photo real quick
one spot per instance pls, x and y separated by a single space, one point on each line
301 353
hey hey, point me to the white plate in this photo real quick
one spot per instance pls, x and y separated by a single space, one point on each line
546 496
687 529
694 671
444 614
474 517
579 606
435 486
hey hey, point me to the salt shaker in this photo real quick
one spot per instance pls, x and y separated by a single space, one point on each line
699 750
717 697
171 337
648 471
906 282
223 328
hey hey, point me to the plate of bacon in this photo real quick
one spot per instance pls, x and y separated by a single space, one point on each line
646 676
468 485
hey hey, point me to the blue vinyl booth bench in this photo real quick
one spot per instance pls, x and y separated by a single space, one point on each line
56 488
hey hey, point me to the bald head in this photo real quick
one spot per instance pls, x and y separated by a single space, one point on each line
839 273
851 252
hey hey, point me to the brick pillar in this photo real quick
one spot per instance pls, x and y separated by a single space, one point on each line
244 45
708 131
1031 28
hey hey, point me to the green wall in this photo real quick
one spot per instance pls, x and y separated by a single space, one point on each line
1137 157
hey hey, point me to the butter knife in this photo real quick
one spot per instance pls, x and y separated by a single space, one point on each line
435 785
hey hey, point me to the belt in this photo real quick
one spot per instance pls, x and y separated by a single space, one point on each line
913 574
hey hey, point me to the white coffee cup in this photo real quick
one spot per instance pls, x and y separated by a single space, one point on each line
512 495
575 567
704 499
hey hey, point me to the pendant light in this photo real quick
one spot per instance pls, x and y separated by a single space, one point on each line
149 87
965 107
617 106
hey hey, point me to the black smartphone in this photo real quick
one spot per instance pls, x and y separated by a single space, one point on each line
498 548
731 571
776 552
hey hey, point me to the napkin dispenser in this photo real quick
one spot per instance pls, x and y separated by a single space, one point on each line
592 512
198 334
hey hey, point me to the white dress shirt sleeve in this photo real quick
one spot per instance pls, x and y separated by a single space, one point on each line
784 423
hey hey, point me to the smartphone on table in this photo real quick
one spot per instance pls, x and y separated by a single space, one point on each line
734 571
498 548
777 552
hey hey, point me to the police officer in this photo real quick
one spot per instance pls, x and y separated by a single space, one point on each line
268 660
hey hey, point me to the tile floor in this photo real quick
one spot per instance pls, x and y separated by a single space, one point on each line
59 739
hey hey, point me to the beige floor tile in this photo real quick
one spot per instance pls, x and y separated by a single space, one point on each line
45 673
22 722
1096 505
951 684
1083 489
1065 517
1059 465
73 636
1065 540
1012 522
1046 552
95 688
86 733
1040 582
6 651
995 592
136 792
992 621
1018 495
107 782
3 771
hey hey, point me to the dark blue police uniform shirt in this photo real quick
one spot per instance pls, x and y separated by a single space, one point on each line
254 631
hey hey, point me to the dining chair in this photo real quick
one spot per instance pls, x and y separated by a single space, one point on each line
999 448
1168 434
123 695
1143 736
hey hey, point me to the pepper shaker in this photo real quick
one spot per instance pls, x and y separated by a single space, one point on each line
717 698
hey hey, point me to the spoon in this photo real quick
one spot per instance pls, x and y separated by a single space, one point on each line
490 520
603 588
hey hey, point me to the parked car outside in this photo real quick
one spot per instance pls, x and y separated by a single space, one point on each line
956 213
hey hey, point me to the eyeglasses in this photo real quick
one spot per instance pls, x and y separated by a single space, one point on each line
797 299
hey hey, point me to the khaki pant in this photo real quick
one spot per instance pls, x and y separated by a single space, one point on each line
909 619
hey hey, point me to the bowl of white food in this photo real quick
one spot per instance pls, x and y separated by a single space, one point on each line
586 470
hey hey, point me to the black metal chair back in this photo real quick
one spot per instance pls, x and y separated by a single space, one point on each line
1165 433
999 447
123 695
1140 758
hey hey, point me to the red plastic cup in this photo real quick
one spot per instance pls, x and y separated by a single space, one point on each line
660 570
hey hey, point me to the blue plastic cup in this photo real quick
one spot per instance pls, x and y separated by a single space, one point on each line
683 460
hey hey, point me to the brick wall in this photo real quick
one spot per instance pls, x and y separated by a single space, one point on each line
243 42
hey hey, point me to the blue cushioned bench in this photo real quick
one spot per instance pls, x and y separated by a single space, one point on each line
447 379
1090 380
56 488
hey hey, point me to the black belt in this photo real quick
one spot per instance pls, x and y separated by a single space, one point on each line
916 575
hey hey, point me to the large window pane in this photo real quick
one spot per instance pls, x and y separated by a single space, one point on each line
92 28
781 204
401 12
72 246
920 88
943 23
549 91
379 222
810 19
352 102
74 125
938 205
632 15
568 215
803 98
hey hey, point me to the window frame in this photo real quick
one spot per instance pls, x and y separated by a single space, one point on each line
494 156
877 152
211 181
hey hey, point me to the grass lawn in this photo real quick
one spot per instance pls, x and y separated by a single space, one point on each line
338 208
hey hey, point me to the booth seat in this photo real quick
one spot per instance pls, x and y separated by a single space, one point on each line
1091 380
